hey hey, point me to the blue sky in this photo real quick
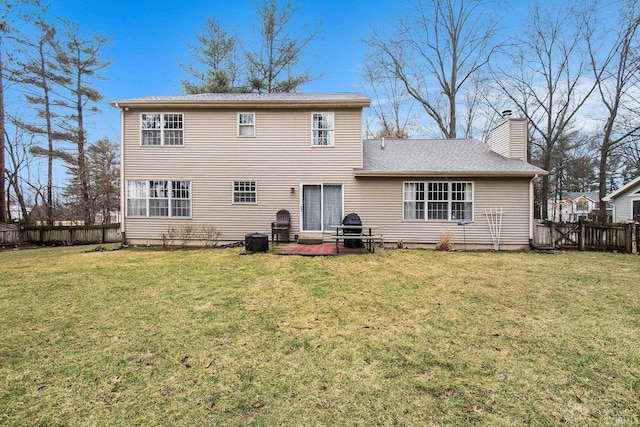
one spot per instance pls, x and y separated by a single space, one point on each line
148 39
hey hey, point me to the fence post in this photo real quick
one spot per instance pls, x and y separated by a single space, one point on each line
638 238
552 232
628 238
581 235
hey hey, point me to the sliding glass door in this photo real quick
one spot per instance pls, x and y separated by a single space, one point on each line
321 206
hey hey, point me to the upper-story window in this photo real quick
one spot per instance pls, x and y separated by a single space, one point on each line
322 129
161 129
582 205
246 124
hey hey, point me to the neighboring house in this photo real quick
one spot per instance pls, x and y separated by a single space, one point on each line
626 202
575 206
233 160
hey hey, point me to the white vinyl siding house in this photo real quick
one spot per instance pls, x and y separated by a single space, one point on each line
244 157
626 202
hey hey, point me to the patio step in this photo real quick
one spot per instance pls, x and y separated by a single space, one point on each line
310 238
310 241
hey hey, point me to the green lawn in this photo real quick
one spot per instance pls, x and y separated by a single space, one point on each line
403 337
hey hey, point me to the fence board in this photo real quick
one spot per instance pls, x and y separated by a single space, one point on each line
584 236
9 236
68 235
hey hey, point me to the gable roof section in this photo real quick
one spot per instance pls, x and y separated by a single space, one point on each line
575 195
620 191
430 158
250 100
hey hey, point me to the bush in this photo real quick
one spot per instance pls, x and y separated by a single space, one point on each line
445 243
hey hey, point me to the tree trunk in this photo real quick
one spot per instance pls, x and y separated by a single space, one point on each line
83 173
3 191
602 182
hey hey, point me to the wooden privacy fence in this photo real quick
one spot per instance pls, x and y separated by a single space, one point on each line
585 236
66 235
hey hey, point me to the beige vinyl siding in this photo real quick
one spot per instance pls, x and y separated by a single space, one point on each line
379 202
509 139
518 130
500 139
278 158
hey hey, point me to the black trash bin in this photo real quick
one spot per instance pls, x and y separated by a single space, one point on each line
256 242
352 220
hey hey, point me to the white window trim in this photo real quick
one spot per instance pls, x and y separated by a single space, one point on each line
331 131
148 198
233 192
449 201
162 114
246 125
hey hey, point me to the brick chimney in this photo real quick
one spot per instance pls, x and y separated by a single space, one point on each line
509 138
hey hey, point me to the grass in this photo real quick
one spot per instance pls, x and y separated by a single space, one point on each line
404 337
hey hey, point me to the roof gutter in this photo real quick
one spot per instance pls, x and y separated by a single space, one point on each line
220 104
359 173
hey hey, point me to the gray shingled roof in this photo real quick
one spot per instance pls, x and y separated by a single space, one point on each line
574 195
439 157
215 98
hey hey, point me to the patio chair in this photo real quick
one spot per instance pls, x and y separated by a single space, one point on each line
281 226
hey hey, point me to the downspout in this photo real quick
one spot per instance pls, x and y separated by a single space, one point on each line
122 182
532 207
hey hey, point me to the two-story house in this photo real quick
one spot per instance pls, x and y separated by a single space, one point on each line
233 160
575 206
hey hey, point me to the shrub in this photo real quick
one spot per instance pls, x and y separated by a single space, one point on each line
445 243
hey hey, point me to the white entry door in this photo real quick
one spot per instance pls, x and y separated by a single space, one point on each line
322 206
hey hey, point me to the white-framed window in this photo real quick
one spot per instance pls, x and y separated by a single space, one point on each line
158 198
180 198
245 192
246 124
161 129
136 198
322 129
438 201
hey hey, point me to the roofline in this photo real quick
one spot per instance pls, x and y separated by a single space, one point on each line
249 103
432 174
621 190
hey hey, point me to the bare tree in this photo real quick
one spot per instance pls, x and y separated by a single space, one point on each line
216 68
435 53
615 66
544 77
391 104
19 170
9 13
274 63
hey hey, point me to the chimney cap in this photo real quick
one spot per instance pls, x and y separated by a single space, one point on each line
506 113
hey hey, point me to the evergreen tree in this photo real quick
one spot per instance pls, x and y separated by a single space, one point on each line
81 61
